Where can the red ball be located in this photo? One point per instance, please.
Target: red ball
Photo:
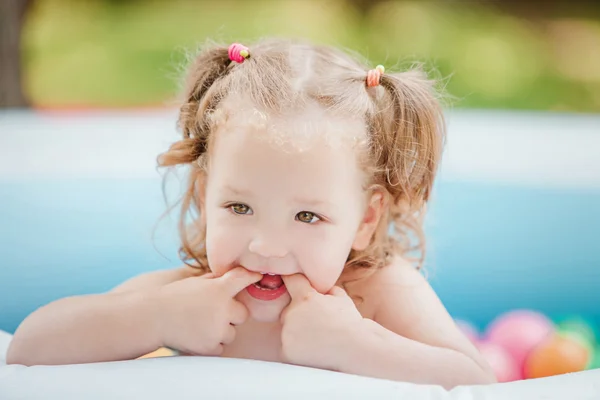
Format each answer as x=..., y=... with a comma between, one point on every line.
x=504, y=367
x=519, y=332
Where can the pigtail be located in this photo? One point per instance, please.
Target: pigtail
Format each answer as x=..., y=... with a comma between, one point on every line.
x=412, y=134
x=417, y=129
x=201, y=97
x=209, y=66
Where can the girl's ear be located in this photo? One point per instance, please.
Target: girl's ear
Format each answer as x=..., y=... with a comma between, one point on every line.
x=370, y=221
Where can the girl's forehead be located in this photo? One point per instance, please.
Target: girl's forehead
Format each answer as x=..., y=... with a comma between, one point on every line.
x=242, y=159
x=294, y=129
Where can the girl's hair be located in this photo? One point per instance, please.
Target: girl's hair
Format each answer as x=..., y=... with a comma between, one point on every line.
x=403, y=117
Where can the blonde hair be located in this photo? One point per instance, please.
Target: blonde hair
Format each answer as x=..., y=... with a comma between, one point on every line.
x=402, y=115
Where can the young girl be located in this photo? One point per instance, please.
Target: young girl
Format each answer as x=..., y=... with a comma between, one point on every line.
x=300, y=161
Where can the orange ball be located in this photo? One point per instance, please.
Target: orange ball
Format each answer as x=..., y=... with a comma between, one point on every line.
x=161, y=352
x=557, y=355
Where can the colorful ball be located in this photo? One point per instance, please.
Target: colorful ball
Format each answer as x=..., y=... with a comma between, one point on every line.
x=578, y=329
x=595, y=360
x=505, y=368
x=557, y=355
x=519, y=332
x=161, y=352
x=469, y=330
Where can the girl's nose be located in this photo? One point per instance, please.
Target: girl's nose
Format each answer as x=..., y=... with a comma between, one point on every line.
x=268, y=247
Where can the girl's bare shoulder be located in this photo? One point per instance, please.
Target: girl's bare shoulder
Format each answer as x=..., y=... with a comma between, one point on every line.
x=369, y=288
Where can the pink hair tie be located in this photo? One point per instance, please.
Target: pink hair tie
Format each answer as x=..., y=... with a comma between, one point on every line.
x=238, y=53
x=374, y=75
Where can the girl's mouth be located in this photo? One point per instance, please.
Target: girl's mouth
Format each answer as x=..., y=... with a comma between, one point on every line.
x=270, y=287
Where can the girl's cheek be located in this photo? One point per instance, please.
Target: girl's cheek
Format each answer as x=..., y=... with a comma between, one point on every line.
x=223, y=247
x=322, y=264
x=322, y=268
x=324, y=279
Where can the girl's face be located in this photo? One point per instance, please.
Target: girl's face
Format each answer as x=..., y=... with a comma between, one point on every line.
x=279, y=209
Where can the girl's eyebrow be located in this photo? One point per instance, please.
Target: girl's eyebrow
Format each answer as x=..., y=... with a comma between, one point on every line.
x=239, y=192
x=313, y=202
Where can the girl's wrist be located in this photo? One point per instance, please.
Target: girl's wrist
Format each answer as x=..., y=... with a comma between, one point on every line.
x=148, y=309
x=354, y=347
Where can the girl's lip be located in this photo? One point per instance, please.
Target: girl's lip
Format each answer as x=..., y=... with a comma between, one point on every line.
x=265, y=294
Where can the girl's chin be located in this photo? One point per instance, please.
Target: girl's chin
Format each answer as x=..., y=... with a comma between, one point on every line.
x=265, y=317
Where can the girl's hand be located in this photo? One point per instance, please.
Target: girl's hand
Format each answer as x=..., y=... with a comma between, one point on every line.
x=198, y=315
x=318, y=330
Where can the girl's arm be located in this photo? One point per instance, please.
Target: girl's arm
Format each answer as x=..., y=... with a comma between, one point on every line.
x=412, y=337
x=114, y=326
x=381, y=353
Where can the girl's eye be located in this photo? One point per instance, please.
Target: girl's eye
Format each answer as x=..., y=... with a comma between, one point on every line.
x=307, y=217
x=241, y=209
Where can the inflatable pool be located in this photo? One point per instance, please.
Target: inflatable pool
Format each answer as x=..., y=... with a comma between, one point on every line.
x=514, y=224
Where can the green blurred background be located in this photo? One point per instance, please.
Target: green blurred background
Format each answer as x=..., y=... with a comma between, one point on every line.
x=491, y=54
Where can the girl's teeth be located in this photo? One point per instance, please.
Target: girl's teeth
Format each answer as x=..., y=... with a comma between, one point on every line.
x=256, y=285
